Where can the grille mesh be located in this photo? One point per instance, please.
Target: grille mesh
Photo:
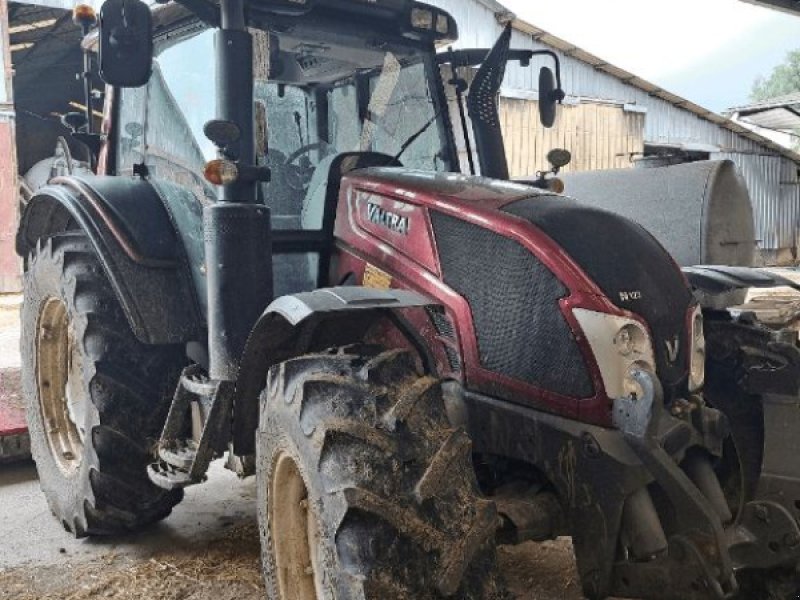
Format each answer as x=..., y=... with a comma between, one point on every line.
x=514, y=301
x=620, y=256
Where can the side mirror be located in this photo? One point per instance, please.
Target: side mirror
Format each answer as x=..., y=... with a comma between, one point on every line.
x=548, y=97
x=126, y=43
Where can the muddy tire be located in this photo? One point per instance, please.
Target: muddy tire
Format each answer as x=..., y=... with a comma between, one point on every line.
x=365, y=490
x=96, y=397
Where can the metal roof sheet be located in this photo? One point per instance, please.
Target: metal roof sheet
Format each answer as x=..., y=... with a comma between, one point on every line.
x=780, y=113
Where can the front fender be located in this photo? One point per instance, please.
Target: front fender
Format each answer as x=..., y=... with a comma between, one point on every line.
x=301, y=323
x=136, y=242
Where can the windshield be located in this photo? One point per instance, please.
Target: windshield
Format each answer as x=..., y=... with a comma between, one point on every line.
x=390, y=109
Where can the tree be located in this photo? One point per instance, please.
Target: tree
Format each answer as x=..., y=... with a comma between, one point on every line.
x=784, y=79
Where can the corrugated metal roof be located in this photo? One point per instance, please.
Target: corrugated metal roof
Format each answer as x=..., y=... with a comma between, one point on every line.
x=779, y=113
x=674, y=122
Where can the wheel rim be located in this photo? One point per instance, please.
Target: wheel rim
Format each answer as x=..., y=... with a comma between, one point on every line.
x=294, y=532
x=62, y=401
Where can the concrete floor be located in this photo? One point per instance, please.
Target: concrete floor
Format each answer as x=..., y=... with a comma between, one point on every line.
x=30, y=534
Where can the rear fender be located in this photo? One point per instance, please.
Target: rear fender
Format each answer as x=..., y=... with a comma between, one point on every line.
x=136, y=242
x=301, y=323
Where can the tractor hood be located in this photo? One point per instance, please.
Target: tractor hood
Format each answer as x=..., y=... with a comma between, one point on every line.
x=485, y=228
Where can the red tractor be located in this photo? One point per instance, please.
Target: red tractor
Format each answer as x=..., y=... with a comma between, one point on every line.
x=277, y=259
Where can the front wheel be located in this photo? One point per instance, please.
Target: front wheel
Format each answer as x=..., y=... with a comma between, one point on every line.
x=365, y=491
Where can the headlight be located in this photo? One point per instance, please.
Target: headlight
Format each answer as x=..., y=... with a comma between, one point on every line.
x=619, y=345
x=697, y=352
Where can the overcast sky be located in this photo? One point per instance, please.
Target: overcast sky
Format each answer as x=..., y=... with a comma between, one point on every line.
x=708, y=51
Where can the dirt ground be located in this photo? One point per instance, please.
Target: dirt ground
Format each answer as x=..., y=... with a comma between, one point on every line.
x=207, y=550
x=227, y=568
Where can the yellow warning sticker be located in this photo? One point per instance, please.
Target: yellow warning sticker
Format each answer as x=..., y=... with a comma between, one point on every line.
x=376, y=278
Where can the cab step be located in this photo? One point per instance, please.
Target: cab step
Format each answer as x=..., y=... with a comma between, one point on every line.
x=198, y=410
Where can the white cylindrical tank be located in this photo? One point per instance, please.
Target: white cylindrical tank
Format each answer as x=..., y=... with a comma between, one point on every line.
x=700, y=212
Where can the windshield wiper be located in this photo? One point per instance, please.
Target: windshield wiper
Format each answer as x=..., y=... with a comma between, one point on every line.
x=416, y=136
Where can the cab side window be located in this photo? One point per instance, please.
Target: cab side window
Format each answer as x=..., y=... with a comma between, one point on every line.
x=161, y=124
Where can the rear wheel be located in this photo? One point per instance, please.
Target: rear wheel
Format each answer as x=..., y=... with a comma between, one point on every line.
x=365, y=491
x=96, y=397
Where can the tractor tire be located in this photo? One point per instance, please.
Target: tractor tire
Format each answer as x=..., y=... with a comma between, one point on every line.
x=96, y=397
x=364, y=489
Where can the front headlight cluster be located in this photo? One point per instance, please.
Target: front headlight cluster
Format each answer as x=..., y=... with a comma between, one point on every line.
x=620, y=346
x=697, y=352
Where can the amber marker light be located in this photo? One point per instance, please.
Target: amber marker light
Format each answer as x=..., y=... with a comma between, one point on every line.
x=221, y=172
x=84, y=15
x=556, y=185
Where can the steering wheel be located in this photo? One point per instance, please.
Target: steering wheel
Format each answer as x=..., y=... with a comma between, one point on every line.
x=298, y=175
x=321, y=145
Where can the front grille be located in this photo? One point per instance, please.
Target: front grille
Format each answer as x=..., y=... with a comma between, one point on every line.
x=521, y=331
x=621, y=257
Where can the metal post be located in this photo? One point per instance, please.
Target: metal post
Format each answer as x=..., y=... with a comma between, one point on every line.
x=237, y=229
x=235, y=91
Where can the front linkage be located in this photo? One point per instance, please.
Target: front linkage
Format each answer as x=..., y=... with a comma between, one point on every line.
x=614, y=486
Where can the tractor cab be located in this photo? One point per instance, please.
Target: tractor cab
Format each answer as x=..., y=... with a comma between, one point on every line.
x=330, y=81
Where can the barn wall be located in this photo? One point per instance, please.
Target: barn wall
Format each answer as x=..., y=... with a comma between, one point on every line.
x=775, y=192
x=600, y=136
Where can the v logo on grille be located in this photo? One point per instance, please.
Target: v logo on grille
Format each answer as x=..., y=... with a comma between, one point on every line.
x=672, y=349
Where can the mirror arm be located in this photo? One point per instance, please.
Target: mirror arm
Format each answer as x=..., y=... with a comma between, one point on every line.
x=472, y=57
x=557, y=62
x=207, y=12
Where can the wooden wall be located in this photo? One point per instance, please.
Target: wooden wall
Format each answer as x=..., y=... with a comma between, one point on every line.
x=600, y=136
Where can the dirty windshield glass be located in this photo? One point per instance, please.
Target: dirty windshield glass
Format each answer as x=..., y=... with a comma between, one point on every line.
x=390, y=110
